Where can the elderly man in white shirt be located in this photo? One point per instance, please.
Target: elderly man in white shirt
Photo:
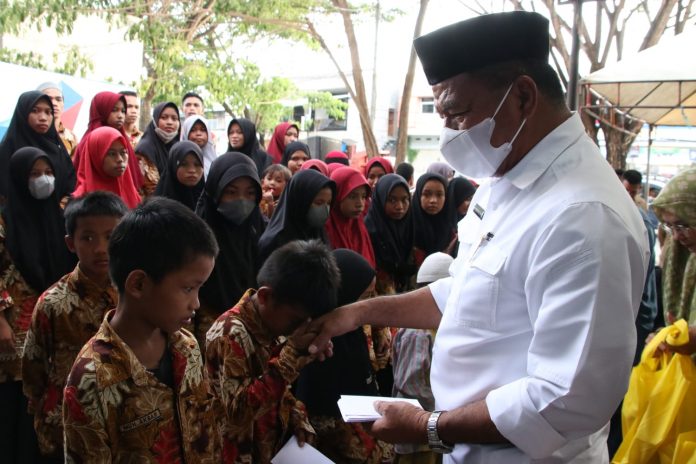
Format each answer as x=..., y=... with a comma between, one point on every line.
x=536, y=328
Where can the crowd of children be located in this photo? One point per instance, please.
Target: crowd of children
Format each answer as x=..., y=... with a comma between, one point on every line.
x=155, y=297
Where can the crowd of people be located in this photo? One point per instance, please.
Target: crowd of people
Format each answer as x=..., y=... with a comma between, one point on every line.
x=162, y=303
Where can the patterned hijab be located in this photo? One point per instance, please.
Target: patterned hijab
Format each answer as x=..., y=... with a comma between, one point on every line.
x=679, y=277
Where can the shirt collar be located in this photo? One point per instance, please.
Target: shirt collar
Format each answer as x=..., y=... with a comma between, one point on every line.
x=91, y=287
x=544, y=153
x=251, y=318
x=124, y=363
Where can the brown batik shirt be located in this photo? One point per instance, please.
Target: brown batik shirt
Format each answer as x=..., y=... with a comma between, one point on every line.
x=150, y=173
x=115, y=410
x=67, y=315
x=17, y=300
x=251, y=372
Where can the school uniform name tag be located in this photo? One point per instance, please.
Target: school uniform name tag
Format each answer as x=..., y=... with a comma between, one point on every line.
x=479, y=211
x=140, y=421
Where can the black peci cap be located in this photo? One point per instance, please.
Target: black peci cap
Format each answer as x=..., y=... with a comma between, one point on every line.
x=482, y=41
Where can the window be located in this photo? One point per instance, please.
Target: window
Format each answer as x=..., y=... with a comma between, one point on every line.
x=427, y=105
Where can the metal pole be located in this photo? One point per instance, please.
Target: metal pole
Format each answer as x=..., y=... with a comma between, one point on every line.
x=646, y=189
x=573, y=77
x=373, y=102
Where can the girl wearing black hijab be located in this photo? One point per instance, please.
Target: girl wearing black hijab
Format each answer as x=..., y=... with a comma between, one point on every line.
x=183, y=179
x=153, y=149
x=431, y=217
x=347, y=372
x=391, y=231
x=459, y=193
x=301, y=213
x=295, y=155
x=230, y=206
x=241, y=134
x=33, y=256
x=32, y=126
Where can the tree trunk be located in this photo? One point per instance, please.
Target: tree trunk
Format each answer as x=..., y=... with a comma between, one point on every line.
x=359, y=83
x=618, y=138
x=402, y=137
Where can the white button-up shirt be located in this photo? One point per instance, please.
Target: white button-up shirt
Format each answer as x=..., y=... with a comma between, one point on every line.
x=538, y=314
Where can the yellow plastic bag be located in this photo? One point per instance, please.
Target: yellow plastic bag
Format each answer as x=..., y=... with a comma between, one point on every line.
x=659, y=410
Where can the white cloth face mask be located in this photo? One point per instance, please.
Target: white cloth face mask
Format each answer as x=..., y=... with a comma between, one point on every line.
x=470, y=152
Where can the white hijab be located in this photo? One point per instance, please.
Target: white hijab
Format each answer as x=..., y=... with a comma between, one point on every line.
x=209, y=153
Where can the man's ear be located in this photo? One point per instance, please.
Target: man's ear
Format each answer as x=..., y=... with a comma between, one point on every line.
x=137, y=283
x=528, y=95
x=70, y=243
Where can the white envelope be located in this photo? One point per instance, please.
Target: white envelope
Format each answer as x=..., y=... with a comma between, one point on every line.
x=291, y=453
x=361, y=408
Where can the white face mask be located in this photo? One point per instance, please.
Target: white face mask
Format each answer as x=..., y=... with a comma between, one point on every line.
x=470, y=152
x=42, y=187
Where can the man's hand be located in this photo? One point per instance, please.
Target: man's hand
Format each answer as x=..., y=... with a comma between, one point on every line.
x=7, y=338
x=333, y=324
x=401, y=422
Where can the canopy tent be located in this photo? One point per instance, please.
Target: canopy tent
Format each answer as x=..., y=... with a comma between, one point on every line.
x=656, y=86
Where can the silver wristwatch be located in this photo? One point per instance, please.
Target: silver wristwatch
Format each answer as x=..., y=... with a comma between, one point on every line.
x=434, y=441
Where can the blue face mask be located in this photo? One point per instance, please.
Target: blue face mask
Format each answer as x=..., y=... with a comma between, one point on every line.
x=236, y=211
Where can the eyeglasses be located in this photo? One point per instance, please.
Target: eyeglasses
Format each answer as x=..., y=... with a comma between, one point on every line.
x=677, y=228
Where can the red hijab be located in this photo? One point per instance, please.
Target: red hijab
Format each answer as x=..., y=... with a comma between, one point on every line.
x=96, y=145
x=383, y=162
x=317, y=165
x=99, y=110
x=276, y=146
x=337, y=157
x=346, y=232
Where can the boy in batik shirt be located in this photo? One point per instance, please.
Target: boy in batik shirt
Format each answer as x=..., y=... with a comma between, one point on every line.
x=252, y=364
x=137, y=391
x=69, y=313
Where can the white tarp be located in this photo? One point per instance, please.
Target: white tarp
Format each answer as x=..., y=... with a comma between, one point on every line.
x=78, y=93
x=657, y=85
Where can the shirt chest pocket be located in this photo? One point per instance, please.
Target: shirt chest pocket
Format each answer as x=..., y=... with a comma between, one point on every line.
x=477, y=300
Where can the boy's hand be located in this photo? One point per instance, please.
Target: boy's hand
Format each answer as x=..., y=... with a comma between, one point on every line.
x=335, y=323
x=268, y=195
x=7, y=338
x=302, y=337
x=304, y=436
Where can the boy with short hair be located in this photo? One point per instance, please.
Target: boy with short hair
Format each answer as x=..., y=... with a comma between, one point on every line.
x=252, y=364
x=137, y=391
x=68, y=313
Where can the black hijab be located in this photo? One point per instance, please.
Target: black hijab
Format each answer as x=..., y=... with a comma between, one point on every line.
x=251, y=147
x=291, y=148
x=392, y=240
x=19, y=134
x=289, y=218
x=237, y=263
x=458, y=190
x=348, y=371
x=34, y=229
x=169, y=185
x=151, y=146
x=433, y=233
